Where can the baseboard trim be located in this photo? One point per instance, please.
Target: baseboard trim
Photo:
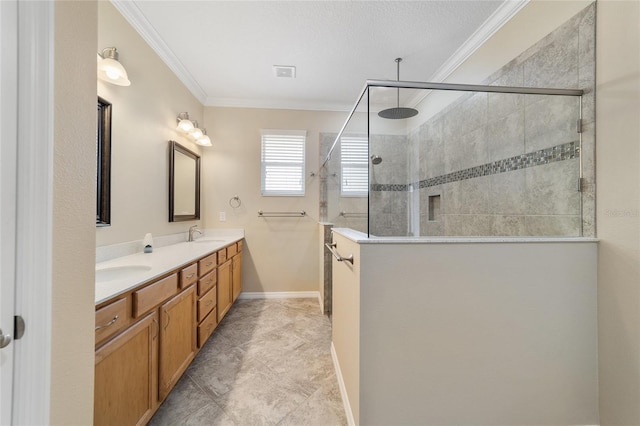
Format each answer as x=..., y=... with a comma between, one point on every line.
x=280, y=295
x=343, y=389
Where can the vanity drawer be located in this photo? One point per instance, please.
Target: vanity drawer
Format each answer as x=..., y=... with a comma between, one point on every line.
x=232, y=250
x=222, y=256
x=207, y=326
x=111, y=319
x=189, y=275
x=206, y=303
x=154, y=294
x=239, y=244
x=207, y=282
x=207, y=264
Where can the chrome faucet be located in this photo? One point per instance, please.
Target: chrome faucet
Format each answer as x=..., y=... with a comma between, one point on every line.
x=193, y=229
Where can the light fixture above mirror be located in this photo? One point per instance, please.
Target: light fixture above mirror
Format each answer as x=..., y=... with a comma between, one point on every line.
x=196, y=133
x=184, y=124
x=110, y=70
x=204, y=140
x=190, y=127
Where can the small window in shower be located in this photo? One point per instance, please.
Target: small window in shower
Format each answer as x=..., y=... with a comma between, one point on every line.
x=354, y=162
x=434, y=207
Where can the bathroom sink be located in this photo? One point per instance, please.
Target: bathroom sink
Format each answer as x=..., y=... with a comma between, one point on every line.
x=120, y=272
x=207, y=240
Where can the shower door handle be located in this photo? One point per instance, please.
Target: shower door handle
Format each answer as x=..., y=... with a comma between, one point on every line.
x=334, y=252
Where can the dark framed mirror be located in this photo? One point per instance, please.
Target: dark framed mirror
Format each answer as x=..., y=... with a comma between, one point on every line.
x=103, y=169
x=184, y=183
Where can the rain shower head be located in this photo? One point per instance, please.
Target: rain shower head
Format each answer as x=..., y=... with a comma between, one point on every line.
x=398, y=112
x=376, y=159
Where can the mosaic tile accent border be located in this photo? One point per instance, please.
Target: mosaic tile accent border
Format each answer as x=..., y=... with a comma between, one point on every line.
x=389, y=187
x=554, y=154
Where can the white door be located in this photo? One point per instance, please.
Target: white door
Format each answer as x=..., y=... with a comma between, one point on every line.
x=8, y=146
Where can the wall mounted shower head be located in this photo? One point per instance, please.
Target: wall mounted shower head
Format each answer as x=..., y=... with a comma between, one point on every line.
x=376, y=159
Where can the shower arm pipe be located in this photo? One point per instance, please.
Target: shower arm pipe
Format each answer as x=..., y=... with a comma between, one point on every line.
x=448, y=86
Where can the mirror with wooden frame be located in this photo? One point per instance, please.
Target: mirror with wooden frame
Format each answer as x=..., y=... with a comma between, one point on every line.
x=103, y=170
x=184, y=183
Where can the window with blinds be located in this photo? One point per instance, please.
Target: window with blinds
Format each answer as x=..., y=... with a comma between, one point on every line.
x=354, y=162
x=283, y=162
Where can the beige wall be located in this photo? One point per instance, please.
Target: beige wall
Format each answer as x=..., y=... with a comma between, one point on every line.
x=144, y=120
x=72, y=356
x=618, y=209
x=281, y=253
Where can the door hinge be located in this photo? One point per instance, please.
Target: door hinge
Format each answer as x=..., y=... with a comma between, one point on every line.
x=579, y=125
x=18, y=327
x=580, y=184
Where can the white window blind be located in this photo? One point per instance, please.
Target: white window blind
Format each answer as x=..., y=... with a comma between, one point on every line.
x=283, y=162
x=354, y=162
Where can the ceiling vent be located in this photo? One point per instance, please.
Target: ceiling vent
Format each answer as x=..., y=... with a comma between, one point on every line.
x=284, y=71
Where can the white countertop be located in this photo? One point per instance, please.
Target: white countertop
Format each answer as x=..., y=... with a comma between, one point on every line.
x=161, y=261
x=362, y=238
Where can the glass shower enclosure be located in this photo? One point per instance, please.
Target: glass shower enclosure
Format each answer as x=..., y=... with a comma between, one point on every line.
x=475, y=161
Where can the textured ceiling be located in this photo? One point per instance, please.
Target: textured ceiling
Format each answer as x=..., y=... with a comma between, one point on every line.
x=224, y=50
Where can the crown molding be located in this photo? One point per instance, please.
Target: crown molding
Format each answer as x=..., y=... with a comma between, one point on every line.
x=141, y=24
x=501, y=16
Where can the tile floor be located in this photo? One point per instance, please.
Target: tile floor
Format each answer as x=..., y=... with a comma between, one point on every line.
x=267, y=363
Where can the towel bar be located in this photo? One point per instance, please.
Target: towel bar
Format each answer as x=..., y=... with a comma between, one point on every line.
x=282, y=214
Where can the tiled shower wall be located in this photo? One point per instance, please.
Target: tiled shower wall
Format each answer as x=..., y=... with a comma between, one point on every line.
x=388, y=214
x=508, y=165
x=389, y=210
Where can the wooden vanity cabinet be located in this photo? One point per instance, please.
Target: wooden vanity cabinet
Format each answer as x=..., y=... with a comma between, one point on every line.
x=177, y=338
x=189, y=275
x=126, y=376
x=232, y=250
x=207, y=264
x=151, y=296
x=236, y=275
x=229, y=278
x=207, y=319
x=147, y=337
x=225, y=297
x=111, y=319
x=222, y=256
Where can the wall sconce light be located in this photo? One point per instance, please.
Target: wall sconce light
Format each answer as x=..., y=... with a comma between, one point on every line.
x=191, y=128
x=204, y=140
x=196, y=133
x=110, y=70
x=184, y=124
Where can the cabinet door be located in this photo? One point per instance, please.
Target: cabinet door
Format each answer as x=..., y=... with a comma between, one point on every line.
x=177, y=338
x=126, y=376
x=237, y=275
x=224, y=289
